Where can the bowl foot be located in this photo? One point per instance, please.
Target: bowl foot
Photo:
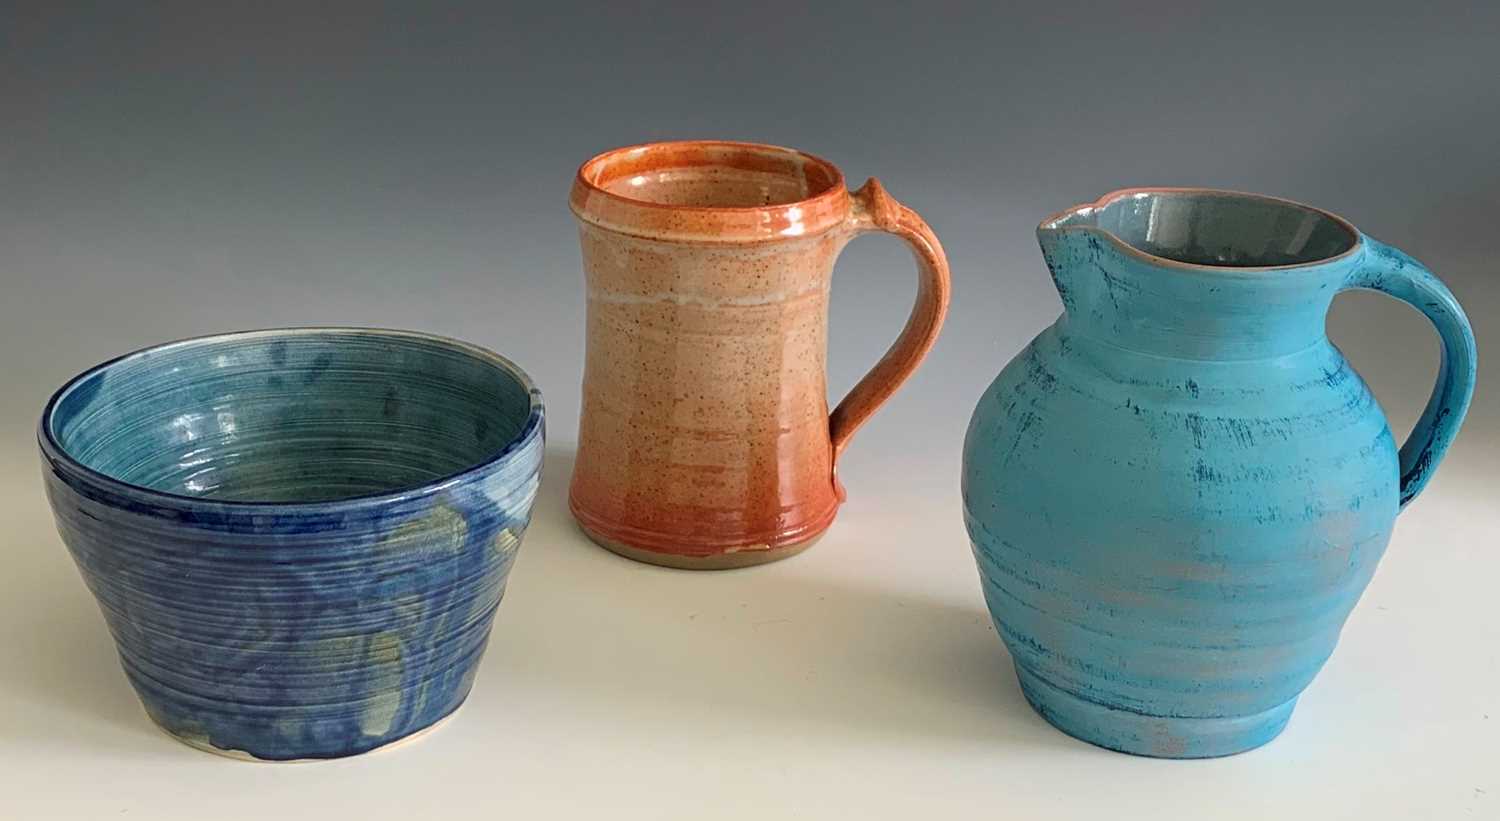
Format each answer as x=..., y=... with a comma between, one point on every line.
x=202, y=743
x=1155, y=736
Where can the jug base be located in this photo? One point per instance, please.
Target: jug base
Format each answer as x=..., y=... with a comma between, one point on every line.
x=1146, y=735
x=728, y=560
x=202, y=744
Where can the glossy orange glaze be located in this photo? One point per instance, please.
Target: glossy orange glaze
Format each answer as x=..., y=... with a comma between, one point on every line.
x=705, y=438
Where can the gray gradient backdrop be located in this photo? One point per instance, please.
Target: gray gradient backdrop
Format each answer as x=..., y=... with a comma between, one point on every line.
x=174, y=169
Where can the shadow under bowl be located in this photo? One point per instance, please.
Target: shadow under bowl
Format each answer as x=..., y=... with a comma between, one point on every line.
x=298, y=537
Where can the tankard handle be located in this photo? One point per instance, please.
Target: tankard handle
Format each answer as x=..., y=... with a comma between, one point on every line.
x=1391, y=272
x=875, y=210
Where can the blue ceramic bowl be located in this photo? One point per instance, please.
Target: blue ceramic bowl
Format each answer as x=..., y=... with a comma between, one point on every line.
x=297, y=537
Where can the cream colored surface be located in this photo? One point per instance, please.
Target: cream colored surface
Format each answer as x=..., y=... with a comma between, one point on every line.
x=861, y=679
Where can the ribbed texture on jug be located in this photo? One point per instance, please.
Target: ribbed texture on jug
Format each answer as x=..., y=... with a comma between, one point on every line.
x=1174, y=540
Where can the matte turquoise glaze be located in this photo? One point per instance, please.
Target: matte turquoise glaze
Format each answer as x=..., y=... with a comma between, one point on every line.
x=1177, y=493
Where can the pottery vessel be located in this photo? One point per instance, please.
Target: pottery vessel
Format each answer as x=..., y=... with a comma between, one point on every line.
x=1177, y=493
x=298, y=538
x=705, y=439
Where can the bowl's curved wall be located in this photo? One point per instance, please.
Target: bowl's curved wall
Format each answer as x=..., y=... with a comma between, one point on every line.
x=312, y=629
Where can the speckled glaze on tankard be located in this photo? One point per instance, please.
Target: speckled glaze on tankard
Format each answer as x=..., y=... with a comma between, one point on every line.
x=705, y=439
x=299, y=537
x=1177, y=493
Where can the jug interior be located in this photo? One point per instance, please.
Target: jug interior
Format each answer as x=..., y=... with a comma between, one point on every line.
x=712, y=176
x=1223, y=229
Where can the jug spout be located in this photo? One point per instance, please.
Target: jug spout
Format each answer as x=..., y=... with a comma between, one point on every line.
x=1197, y=273
x=1064, y=237
x=1075, y=217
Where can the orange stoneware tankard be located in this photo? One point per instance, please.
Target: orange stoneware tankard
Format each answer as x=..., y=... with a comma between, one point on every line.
x=705, y=439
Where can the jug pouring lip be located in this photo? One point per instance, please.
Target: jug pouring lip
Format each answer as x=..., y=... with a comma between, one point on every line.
x=1083, y=217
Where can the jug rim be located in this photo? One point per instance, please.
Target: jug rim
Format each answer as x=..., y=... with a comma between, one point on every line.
x=1054, y=222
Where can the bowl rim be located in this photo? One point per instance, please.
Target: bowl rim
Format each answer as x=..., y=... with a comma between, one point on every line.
x=62, y=461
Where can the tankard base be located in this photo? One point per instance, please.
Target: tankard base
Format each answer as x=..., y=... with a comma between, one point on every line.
x=1146, y=735
x=727, y=560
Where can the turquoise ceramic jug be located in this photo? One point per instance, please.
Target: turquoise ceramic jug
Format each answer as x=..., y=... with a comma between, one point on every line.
x=1177, y=493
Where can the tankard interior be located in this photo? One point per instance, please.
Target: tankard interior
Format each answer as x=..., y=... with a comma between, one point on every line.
x=711, y=175
x=302, y=415
x=1224, y=229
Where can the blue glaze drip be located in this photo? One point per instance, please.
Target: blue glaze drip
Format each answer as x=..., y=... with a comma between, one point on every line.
x=298, y=538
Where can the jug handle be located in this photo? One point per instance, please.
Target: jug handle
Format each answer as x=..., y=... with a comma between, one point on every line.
x=875, y=210
x=1391, y=272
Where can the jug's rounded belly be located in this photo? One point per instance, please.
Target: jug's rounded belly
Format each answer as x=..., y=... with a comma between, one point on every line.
x=1174, y=537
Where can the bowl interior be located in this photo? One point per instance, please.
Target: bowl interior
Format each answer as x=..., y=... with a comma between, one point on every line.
x=292, y=416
